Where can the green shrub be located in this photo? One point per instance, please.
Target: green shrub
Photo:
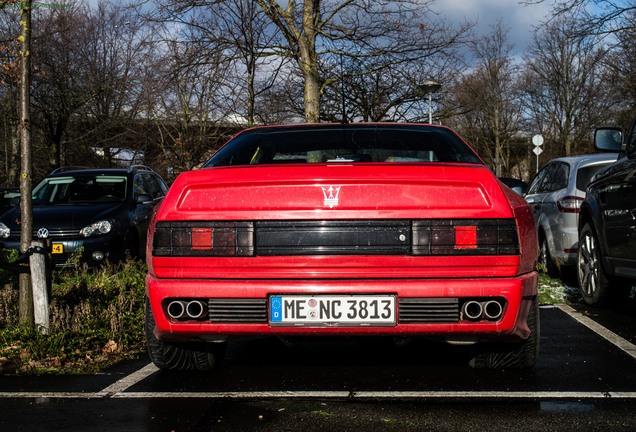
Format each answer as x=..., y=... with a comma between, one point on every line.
x=96, y=318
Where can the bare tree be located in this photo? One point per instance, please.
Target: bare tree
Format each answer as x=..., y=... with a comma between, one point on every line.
x=61, y=87
x=26, y=169
x=115, y=52
x=246, y=29
x=489, y=98
x=9, y=95
x=238, y=29
x=598, y=17
x=192, y=97
x=620, y=82
x=400, y=31
x=562, y=85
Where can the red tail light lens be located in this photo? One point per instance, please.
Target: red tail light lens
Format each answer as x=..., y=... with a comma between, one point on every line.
x=466, y=237
x=570, y=204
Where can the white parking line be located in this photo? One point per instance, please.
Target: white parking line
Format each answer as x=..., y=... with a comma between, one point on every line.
x=118, y=389
x=129, y=380
x=397, y=395
x=336, y=395
x=625, y=345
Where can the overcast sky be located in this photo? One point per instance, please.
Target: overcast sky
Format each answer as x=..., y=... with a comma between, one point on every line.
x=519, y=18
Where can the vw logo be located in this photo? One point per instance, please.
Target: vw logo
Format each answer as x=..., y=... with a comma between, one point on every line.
x=43, y=233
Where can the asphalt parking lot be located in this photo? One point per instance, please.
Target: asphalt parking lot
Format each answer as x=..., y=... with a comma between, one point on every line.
x=584, y=374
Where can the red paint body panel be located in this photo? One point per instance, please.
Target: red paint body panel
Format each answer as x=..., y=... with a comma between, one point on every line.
x=367, y=191
x=326, y=267
x=342, y=191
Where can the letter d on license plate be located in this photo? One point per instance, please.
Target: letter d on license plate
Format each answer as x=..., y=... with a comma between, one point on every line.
x=354, y=310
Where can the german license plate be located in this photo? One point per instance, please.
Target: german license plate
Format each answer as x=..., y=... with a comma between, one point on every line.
x=57, y=248
x=353, y=310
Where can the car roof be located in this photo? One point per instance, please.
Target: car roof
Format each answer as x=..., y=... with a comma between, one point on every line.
x=65, y=171
x=587, y=159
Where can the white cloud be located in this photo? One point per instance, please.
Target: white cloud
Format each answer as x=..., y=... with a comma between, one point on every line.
x=522, y=20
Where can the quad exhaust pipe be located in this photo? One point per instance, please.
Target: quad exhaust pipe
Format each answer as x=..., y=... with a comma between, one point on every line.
x=493, y=310
x=182, y=309
x=490, y=310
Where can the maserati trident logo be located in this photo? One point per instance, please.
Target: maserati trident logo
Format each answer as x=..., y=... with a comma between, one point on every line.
x=43, y=233
x=331, y=196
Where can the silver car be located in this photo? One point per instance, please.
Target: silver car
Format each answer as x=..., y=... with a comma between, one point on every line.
x=555, y=196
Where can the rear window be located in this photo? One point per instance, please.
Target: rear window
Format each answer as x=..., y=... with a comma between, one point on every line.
x=584, y=175
x=345, y=143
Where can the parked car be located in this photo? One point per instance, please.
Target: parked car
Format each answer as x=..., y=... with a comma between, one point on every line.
x=555, y=196
x=6, y=195
x=607, y=223
x=384, y=229
x=516, y=185
x=104, y=211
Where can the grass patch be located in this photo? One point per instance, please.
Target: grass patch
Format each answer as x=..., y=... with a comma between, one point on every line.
x=557, y=290
x=96, y=320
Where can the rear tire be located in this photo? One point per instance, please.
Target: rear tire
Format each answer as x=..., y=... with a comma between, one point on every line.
x=594, y=282
x=181, y=356
x=508, y=355
x=545, y=258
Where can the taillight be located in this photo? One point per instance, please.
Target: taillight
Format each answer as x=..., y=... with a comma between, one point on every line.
x=465, y=237
x=390, y=237
x=203, y=239
x=569, y=204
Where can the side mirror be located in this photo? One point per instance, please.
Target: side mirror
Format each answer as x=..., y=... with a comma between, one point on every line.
x=608, y=139
x=15, y=201
x=143, y=199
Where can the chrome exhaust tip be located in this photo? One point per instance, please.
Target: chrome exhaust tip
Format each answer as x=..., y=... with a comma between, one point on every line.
x=176, y=309
x=472, y=310
x=493, y=310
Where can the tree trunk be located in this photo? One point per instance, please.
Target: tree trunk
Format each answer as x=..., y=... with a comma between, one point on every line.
x=309, y=61
x=26, y=225
x=14, y=158
x=312, y=97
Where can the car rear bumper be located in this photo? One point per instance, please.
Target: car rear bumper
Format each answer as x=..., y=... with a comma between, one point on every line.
x=515, y=293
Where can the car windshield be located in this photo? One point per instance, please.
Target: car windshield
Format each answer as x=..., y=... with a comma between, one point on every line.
x=344, y=143
x=80, y=188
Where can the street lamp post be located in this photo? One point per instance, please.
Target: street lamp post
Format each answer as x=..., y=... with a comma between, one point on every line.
x=430, y=87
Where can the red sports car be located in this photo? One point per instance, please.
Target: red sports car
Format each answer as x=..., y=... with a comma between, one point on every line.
x=384, y=229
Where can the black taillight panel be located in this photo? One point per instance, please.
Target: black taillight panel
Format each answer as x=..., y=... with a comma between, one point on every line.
x=465, y=237
x=223, y=238
x=433, y=237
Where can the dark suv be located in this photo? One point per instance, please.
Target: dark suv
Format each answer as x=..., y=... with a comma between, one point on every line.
x=607, y=223
x=103, y=211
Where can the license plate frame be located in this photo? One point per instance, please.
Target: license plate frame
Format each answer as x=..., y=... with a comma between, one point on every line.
x=371, y=310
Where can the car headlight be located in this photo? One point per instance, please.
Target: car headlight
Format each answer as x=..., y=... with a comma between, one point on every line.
x=98, y=228
x=5, y=231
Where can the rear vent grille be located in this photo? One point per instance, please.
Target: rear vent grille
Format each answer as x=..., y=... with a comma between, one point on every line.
x=412, y=310
x=428, y=310
x=237, y=310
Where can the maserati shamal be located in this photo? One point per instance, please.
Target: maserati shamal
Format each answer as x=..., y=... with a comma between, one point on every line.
x=387, y=229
